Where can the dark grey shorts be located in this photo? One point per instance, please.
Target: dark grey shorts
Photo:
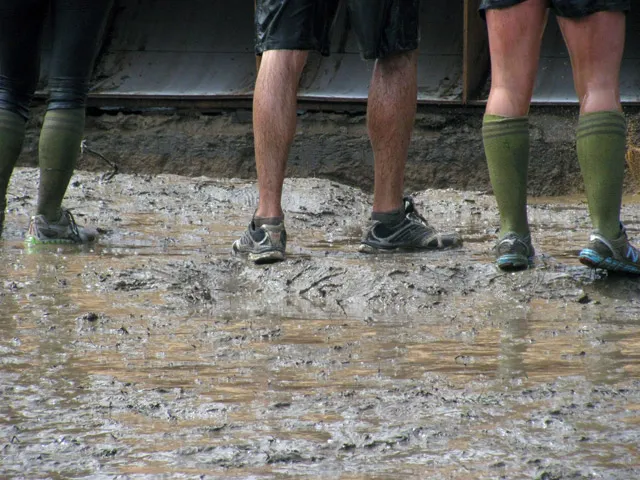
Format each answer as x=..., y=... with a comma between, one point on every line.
x=383, y=27
x=567, y=8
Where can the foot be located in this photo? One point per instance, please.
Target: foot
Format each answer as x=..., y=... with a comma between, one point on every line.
x=613, y=255
x=413, y=233
x=63, y=231
x=265, y=244
x=514, y=252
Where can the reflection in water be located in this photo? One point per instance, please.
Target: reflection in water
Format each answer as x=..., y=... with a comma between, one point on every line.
x=152, y=386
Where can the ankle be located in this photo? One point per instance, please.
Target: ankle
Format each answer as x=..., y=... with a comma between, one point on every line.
x=521, y=231
x=611, y=232
x=389, y=218
x=51, y=215
x=259, y=221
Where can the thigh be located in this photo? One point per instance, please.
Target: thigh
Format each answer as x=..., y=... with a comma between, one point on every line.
x=294, y=25
x=596, y=45
x=497, y=4
x=78, y=31
x=385, y=27
x=584, y=8
x=515, y=35
x=21, y=25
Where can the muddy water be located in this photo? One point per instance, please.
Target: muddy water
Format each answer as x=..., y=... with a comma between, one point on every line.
x=156, y=354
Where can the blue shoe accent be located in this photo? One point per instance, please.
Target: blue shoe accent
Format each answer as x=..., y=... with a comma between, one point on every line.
x=513, y=261
x=593, y=259
x=514, y=252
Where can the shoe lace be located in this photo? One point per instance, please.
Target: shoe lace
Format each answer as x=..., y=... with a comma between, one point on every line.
x=410, y=210
x=73, y=226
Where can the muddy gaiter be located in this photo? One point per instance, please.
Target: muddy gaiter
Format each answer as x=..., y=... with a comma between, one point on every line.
x=601, y=140
x=58, y=153
x=506, y=146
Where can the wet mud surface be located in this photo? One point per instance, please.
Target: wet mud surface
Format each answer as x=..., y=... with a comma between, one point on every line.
x=157, y=354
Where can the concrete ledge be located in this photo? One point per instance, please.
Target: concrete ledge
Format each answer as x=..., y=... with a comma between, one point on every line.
x=446, y=150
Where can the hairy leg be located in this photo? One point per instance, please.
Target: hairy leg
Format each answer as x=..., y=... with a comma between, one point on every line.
x=596, y=44
x=274, y=123
x=390, y=117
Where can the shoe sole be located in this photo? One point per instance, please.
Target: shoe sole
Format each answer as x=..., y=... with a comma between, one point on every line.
x=57, y=241
x=365, y=248
x=512, y=262
x=272, y=256
x=593, y=259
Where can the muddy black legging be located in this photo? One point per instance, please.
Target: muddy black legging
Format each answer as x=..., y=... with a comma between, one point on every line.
x=78, y=26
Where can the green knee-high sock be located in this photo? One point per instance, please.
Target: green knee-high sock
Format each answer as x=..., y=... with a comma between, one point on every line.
x=506, y=146
x=58, y=153
x=601, y=141
x=12, y=127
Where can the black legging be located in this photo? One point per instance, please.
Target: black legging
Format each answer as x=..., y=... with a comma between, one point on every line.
x=78, y=26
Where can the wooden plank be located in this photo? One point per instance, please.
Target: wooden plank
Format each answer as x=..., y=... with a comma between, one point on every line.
x=475, y=56
x=258, y=57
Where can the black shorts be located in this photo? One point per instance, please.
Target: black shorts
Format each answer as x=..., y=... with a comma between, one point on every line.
x=383, y=27
x=567, y=8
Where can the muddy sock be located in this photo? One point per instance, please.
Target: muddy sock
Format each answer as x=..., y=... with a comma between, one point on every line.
x=506, y=146
x=389, y=219
x=601, y=140
x=59, y=149
x=12, y=127
x=260, y=221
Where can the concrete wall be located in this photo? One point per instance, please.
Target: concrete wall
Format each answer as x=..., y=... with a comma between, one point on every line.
x=446, y=150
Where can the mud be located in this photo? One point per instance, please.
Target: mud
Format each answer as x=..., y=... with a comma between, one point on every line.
x=157, y=354
x=446, y=151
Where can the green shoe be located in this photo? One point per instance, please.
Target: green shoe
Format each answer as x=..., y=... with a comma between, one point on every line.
x=64, y=231
x=514, y=252
x=613, y=255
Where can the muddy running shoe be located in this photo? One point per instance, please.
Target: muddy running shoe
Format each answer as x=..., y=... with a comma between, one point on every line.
x=514, y=252
x=413, y=233
x=614, y=255
x=64, y=231
x=265, y=244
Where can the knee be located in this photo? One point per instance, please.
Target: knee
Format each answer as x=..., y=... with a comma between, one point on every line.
x=67, y=93
x=15, y=96
x=286, y=63
x=398, y=63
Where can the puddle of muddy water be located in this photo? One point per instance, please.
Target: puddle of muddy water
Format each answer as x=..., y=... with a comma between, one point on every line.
x=154, y=354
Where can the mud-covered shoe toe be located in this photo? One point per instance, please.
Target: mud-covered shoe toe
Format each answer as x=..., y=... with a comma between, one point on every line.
x=617, y=255
x=264, y=244
x=63, y=231
x=514, y=252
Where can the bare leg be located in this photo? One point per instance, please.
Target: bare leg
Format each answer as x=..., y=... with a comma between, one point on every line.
x=596, y=44
x=274, y=123
x=514, y=39
x=390, y=117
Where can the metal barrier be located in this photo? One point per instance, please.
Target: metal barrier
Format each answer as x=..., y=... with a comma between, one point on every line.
x=200, y=52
